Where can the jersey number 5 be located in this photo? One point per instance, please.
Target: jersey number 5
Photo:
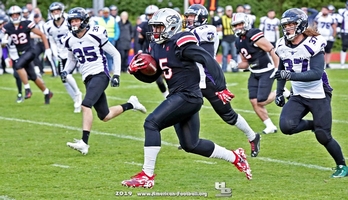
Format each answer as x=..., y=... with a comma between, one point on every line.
x=167, y=71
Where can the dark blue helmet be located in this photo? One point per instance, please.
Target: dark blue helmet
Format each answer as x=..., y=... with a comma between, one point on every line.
x=200, y=12
x=78, y=13
x=297, y=16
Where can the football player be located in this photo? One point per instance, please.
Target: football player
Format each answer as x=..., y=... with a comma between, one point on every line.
x=56, y=29
x=144, y=41
x=301, y=53
x=86, y=45
x=269, y=25
x=197, y=22
x=254, y=51
x=176, y=53
x=19, y=31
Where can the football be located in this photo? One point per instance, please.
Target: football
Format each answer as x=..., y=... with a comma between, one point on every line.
x=151, y=68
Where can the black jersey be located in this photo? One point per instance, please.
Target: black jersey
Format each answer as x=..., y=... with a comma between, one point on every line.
x=176, y=59
x=20, y=35
x=257, y=57
x=180, y=75
x=143, y=28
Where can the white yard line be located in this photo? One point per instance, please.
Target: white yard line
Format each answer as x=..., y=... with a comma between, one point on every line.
x=5, y=197
x=163, y=142
x=133, y=163
x=205, y=162
x=61, y=166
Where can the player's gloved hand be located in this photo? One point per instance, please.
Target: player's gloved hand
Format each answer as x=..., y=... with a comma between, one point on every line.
x=115, y=81
x=4, y=42
x=279, y=100
x=63, y=76
x=225, y=96
x=48, y=54
x=282, y=74
x=136, y=64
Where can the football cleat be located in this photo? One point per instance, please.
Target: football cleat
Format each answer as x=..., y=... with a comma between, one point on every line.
x=255, y=145
x=19, y=98
x=140, y=180
x=270, y=129
x=241, y=163
x=28, y=93
x=341, y=171
x=48, y=97
x=136, y=104
x=79, y=145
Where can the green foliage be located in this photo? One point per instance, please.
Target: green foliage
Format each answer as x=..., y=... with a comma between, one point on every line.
x=34, y=152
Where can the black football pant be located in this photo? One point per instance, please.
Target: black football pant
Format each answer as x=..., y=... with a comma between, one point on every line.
x=291, y=121
x=182, y=111
x=95, y=95
x=225, y=111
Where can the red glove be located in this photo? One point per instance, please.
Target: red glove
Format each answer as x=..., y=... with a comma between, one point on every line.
x=136, y=64
x=225, y=95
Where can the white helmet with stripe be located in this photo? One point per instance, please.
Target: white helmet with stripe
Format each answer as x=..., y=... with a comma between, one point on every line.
x=15, y=10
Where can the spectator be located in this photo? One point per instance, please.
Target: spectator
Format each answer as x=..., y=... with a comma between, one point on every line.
x=228, y=38
x=113, y=12
x=124, y=43
x=311, y=13
x=113, y=31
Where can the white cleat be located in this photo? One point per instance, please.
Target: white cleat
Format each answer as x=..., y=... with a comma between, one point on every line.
x=286, y=93
x=77, y=109
x=79, y=145
x=136, y=104
x=270, y=129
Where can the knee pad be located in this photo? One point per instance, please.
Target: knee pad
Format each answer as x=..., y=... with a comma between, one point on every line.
x=188, y=147
x=322, y=136
x=230, y=117
x=287, y=126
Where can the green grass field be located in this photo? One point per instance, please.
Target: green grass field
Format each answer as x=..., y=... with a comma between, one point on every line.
x=36, y=163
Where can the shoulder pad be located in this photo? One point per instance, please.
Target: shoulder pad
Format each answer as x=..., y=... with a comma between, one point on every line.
x=314, y=44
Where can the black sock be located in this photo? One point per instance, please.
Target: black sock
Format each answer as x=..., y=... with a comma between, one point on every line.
x=335, y=151
x=127, y=106
x=85, y=136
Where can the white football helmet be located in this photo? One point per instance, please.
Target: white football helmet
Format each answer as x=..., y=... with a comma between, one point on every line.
x=239, y=18
x=170, y=19
x=56, y=6
x=15, y=10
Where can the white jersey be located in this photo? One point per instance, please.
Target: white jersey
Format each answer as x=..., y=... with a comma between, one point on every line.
x=297, y=60
x=324, y=26
x=54, y=35
x=270, y=28
x=206, y=34
x=344, y=13
x=88, y=50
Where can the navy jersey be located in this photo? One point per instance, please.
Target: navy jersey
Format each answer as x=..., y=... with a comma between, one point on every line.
x=20, y=36
x=181, y=75
x=257, y=57
x=143, y=28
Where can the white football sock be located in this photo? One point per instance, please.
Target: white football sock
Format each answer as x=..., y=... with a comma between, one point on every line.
x=343, y=57
x=70, y=90
x=268, y=122
x=26, y=86
x=150, y=155
x=46, y=91
x=243, y=125
x=72, y=82
x=223, y=153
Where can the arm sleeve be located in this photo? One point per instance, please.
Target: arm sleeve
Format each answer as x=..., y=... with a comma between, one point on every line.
x=147, y=79
x=113, y=52
x=196, y=53
x=316, y=69
x=281, y=82
x=70, y=63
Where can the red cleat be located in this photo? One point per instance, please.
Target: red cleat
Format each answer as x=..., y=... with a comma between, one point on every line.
x=140, y=180
x=241, y=163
